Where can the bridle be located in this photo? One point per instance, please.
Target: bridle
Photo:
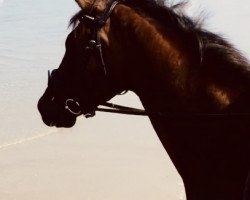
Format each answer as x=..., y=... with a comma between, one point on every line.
x=95, y=45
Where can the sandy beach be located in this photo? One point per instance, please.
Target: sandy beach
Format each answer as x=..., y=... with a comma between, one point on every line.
x=75, y=164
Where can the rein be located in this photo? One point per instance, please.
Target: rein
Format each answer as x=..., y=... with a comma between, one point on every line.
x=75, y=109
x=119, y=109
x=115, y=108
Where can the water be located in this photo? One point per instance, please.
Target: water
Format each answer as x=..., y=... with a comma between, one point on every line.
x=32, y=38
x=32, y=35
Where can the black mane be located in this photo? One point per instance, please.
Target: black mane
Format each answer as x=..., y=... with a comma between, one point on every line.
x=216, y=55
x=150, y=7
x=172, y=14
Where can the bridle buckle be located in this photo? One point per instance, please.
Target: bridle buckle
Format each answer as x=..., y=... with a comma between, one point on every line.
x=73, y=107
x=91, y=45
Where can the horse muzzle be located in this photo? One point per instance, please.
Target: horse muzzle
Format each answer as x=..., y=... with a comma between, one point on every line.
x=53, y=115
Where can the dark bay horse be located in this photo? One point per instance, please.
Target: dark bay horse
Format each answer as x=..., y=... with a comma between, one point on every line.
x=194, y=85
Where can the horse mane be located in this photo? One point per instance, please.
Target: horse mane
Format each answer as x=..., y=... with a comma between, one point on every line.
x=216, y=56
x=173, y=14
x=150, y=7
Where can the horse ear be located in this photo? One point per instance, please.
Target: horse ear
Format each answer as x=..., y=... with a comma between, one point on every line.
x=84, y=4
x=100, y=5
x=80, y=3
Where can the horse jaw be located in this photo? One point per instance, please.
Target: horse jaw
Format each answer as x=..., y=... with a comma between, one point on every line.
x=100, y=5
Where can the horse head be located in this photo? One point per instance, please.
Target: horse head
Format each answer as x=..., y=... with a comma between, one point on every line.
x=84, y=78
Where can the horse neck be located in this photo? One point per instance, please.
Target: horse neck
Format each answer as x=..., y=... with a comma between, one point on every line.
x=159, y=69
x=150, y=59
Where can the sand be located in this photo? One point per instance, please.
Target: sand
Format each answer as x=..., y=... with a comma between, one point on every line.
x=77, y=164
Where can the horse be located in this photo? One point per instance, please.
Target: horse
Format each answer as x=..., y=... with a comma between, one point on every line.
x=193, y=84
